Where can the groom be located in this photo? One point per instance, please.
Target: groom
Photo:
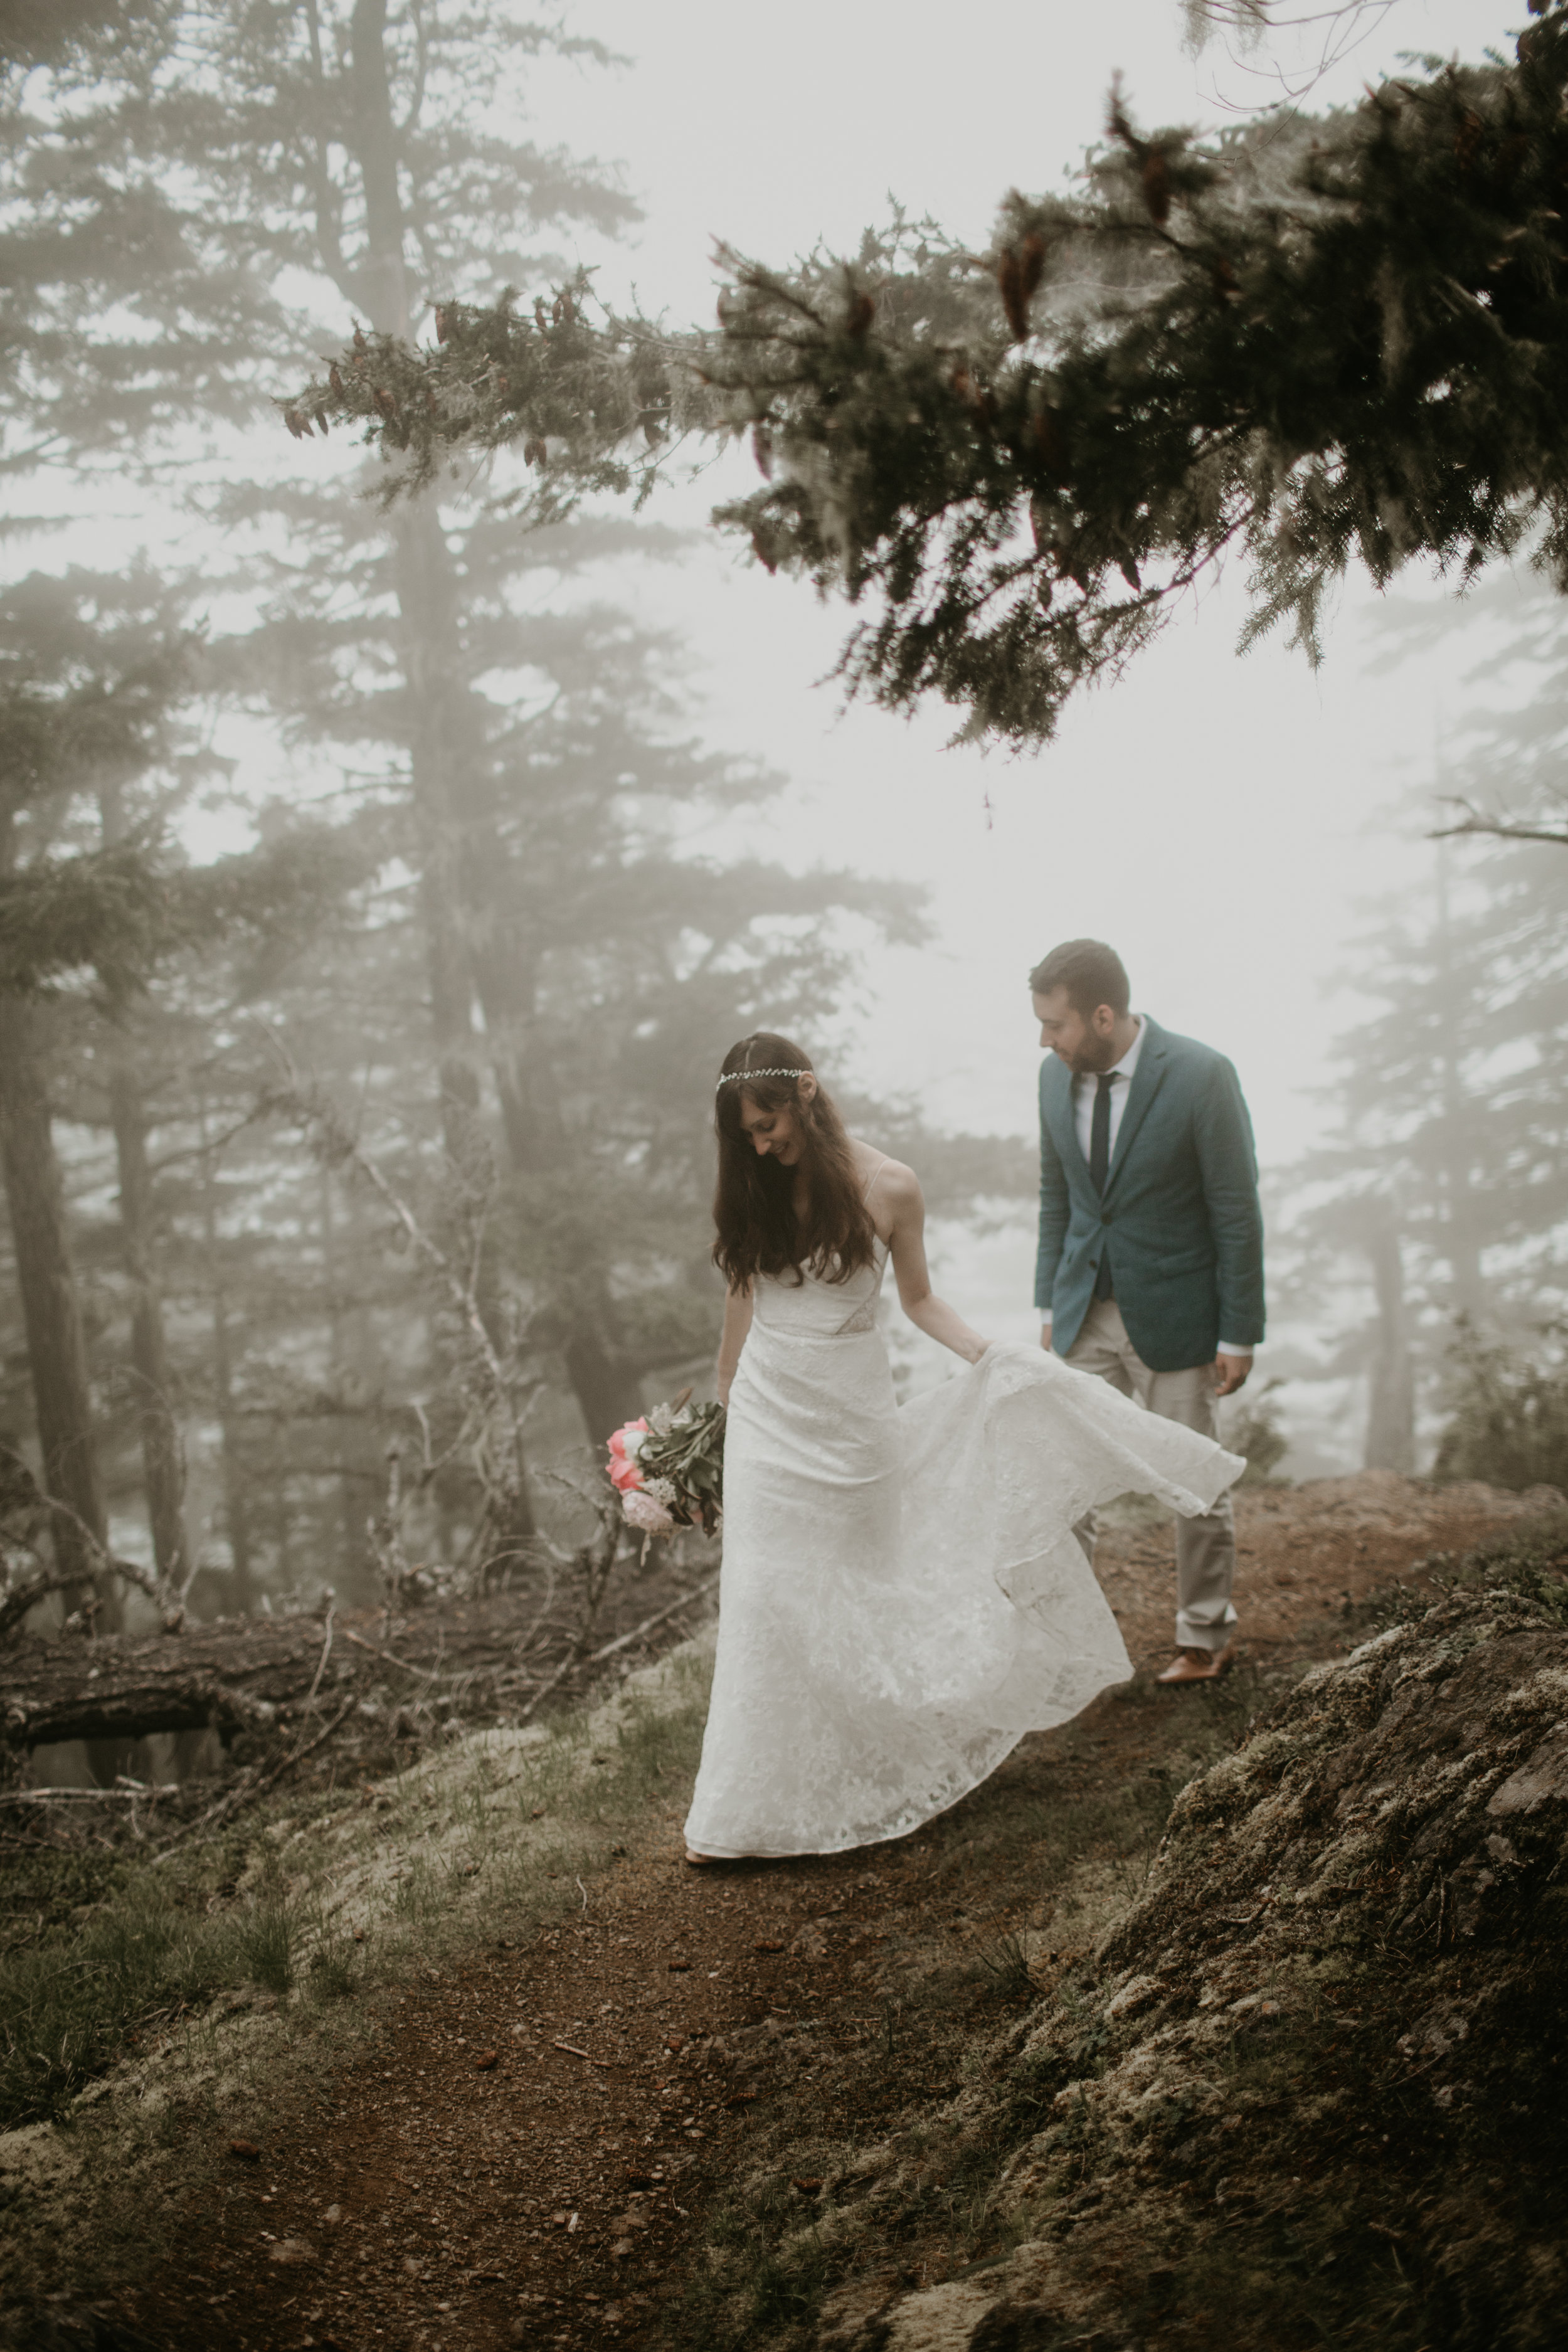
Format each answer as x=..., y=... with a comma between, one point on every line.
x=1151, y=1261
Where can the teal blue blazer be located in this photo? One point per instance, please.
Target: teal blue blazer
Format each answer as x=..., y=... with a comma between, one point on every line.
x=1181, y=1221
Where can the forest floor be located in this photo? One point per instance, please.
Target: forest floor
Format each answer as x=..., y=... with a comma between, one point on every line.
x=537, y=2133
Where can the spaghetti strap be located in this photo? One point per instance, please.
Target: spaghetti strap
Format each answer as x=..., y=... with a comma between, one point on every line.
x=871, y=1183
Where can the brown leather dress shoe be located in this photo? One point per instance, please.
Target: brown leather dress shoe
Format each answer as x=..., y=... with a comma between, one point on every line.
x=1196, y=1666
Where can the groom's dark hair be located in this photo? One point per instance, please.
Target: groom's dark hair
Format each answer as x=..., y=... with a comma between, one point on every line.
x=1092, y=974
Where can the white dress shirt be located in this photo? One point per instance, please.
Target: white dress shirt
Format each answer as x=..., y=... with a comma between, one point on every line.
x=1085, y=1086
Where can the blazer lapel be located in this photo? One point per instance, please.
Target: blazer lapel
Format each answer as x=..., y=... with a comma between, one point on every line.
x=1147, y=1079
x=1056, y=1095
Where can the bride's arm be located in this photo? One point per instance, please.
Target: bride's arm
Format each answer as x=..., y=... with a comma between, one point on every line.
x=737, y=1323
x=903, y=1201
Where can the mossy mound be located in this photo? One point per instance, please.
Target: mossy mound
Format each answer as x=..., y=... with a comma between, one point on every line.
x=1312, y=2090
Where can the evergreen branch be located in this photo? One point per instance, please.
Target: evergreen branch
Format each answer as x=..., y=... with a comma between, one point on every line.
x=591, y=399
x=122, y=911
x=1327, y=344
x=1475, y=822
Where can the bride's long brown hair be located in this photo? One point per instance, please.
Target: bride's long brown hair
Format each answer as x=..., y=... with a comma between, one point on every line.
x=758, y=1231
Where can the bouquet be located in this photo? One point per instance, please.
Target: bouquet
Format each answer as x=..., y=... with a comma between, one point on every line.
x=668, y=1469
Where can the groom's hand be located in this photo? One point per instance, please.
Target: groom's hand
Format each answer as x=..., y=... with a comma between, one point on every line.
x=1045, y=1337
x=1230, y=1374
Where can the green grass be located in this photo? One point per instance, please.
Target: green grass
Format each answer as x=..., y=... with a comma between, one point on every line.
x=67, y=2013
x=242, y=1947
x=85, y=1984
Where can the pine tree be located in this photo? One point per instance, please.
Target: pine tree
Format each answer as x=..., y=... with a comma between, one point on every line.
x=1441, y=1182
x=73, y=709
x=97, y=906
x=513, y=1008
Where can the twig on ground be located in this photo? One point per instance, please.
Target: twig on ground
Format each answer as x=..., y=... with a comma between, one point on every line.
x=572, y=2050
x=622, y=1642
x=321, y=1662
x=390, y=1657
x=524, y=1640
x=87, y=1796
x=236, y=1797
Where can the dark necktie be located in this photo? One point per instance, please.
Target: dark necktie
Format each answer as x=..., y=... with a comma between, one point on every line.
x=1099, y=1133
x=1100, y=1167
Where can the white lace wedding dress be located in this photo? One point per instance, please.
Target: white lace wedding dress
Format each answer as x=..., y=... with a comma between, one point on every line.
x=902, y=1596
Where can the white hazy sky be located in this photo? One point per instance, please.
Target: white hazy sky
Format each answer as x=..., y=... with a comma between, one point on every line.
x=1214, y=816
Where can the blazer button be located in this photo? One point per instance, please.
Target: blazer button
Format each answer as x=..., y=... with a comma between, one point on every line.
x=1105, y=1218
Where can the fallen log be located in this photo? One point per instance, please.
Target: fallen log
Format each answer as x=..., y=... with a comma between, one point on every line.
x=238, y=1674
x=261, y=1673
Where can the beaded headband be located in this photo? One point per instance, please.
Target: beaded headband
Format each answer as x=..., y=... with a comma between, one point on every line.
x=738, y=1077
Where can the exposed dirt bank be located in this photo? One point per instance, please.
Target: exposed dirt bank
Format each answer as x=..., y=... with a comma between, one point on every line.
x=1308, y=2090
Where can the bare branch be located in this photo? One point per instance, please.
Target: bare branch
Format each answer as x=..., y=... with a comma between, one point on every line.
x=1476, y=824
x=322, y=1666
x=254, y=1784
x=622, y=1642
x=26, y=1495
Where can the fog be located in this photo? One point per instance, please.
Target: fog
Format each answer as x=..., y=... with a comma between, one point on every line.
x=1213, y=816
x=1216, y=817
x=295, y=1073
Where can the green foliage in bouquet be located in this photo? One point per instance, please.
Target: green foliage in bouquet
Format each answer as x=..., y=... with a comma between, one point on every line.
x=684, y=1449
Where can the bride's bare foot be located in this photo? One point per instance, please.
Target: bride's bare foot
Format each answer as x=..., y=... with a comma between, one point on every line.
x=701, y=1860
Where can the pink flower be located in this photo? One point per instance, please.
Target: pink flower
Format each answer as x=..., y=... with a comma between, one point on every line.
x=641, y=1511
x=624, y=1447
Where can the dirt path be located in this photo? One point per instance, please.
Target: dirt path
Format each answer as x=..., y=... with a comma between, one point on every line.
x=531, y=2150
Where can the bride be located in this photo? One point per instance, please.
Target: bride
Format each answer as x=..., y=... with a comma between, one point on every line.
x=902, y=1596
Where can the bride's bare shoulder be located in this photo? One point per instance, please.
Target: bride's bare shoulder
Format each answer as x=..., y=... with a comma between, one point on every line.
x=894, y=1183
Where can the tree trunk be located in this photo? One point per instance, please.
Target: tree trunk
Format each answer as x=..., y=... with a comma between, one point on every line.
x=236, y=1524
x=1391, y=1400
x=605, y=1383
x=163, y=1457
x=244, y=1671
x=163, y=1461
x=441, y=731
x=1460, y=1222
x=356, y=1574
x=445, y=733
x=56, y=1352
x=607, y=1389
x=442, y=734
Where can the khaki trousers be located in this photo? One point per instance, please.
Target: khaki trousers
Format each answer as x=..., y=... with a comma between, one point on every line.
x=1205, y=1546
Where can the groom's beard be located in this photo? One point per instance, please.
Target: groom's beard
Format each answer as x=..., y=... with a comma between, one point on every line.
x=1089, y=1061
